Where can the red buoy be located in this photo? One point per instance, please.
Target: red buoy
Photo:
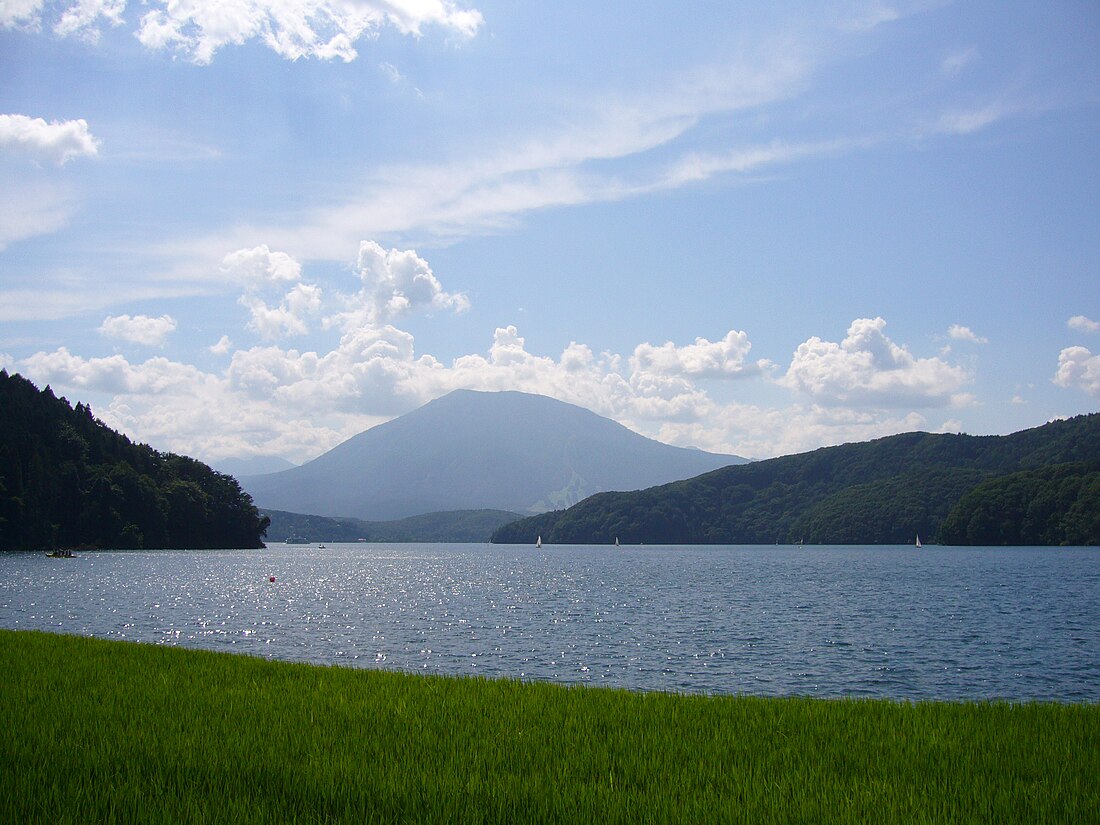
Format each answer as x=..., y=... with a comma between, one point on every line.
x=271, y=579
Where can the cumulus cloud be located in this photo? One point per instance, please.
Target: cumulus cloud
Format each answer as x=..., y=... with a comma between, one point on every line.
x=278, y=401
x=113, y=374
x=395, y=282
x=260, y=267
x=703, y=359
x=1083, y=324
x=54, y=142
x=82, y=18
x=1078, y=368
x=289, y=317
x=325, y=29
x=197, y=29
x=139, y=329
x=958, y=332
x=868, y=368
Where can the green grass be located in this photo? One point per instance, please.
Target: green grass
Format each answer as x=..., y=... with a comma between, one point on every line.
x=98, y=731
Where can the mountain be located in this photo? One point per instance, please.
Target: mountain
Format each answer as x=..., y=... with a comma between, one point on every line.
x=252, y=466
x=474, y=451
x=454, y=526
x=69, y=481
x=1038, y=486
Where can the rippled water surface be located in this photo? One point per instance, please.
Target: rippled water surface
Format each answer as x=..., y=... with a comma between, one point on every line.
x=939, y=623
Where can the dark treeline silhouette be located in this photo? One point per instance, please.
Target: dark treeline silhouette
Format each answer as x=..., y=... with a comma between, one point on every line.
x=69, y=481
x=1038, y=486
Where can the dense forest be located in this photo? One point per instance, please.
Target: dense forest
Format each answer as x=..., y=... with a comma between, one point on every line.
x=69, y=481
x=451, y=526
x=1039, y=486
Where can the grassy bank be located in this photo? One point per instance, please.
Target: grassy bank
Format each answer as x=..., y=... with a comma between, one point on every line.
x=97, y=731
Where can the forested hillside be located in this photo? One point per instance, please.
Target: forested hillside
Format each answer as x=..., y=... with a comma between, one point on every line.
x=455, y=526
x=1039, y=486
x=67, y=480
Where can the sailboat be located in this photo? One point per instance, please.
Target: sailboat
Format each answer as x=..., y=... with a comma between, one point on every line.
x=919, y=545
x=616, y=541
x=538, y=542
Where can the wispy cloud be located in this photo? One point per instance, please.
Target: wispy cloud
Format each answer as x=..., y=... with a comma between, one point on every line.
x=954, y=63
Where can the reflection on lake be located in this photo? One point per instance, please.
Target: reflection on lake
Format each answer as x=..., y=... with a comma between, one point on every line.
x=939, y=623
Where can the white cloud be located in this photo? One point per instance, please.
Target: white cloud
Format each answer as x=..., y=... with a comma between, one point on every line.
x=1078, y=368
x=395, y=282
x=391, y=72
x=955, y=62
x=196, y=29
x=868, y=368
x=1083, y=324
x=139, y=329
x=82, y=17
x=297, y=404
x=968, y=121
x=703, y=359
x=763, y=432
x=54, y=142
x=289, y=318
x=19, y=13
x=29, y=209
x=222, y=347
x=113, y=374
x=325, y=29
x=259, y=267
x=958, y=332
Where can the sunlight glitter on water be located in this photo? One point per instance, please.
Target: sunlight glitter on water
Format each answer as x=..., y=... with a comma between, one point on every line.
x=1009, y=623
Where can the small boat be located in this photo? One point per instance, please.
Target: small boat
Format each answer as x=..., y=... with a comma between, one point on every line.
x=538, y=542
x=616, y=541
x=919, y=545
x=61, y=554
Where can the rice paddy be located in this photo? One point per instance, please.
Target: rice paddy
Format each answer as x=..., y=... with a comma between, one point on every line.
x=101, y=731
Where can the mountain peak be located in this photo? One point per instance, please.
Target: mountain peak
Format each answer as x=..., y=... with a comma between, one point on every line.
x=472, y=450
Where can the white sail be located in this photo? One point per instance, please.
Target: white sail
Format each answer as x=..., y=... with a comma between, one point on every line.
x=538, y=542
x=918, y=541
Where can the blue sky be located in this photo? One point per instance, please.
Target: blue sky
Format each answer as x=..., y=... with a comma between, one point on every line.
x=257, y=227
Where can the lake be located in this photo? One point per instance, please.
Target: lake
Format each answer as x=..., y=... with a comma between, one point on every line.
x=895, y=622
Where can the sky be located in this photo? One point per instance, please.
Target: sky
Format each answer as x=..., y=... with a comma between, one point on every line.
x=255, y=228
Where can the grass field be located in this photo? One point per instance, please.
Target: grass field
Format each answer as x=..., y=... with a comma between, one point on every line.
x=98, y=731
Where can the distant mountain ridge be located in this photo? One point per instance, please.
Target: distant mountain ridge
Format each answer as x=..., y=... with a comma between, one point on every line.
x=462, y=526
x=478, y=451
x=253, y=466
x=1037, y=486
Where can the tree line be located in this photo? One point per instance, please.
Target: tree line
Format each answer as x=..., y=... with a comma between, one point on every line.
x=1038, y=486
x=67, y=480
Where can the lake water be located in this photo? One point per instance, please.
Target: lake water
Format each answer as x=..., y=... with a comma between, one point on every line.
x=895, y=622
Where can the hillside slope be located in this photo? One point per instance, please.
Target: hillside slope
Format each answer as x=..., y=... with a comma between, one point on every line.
x=67, y=480
x=879, y=492
x=475, y=451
